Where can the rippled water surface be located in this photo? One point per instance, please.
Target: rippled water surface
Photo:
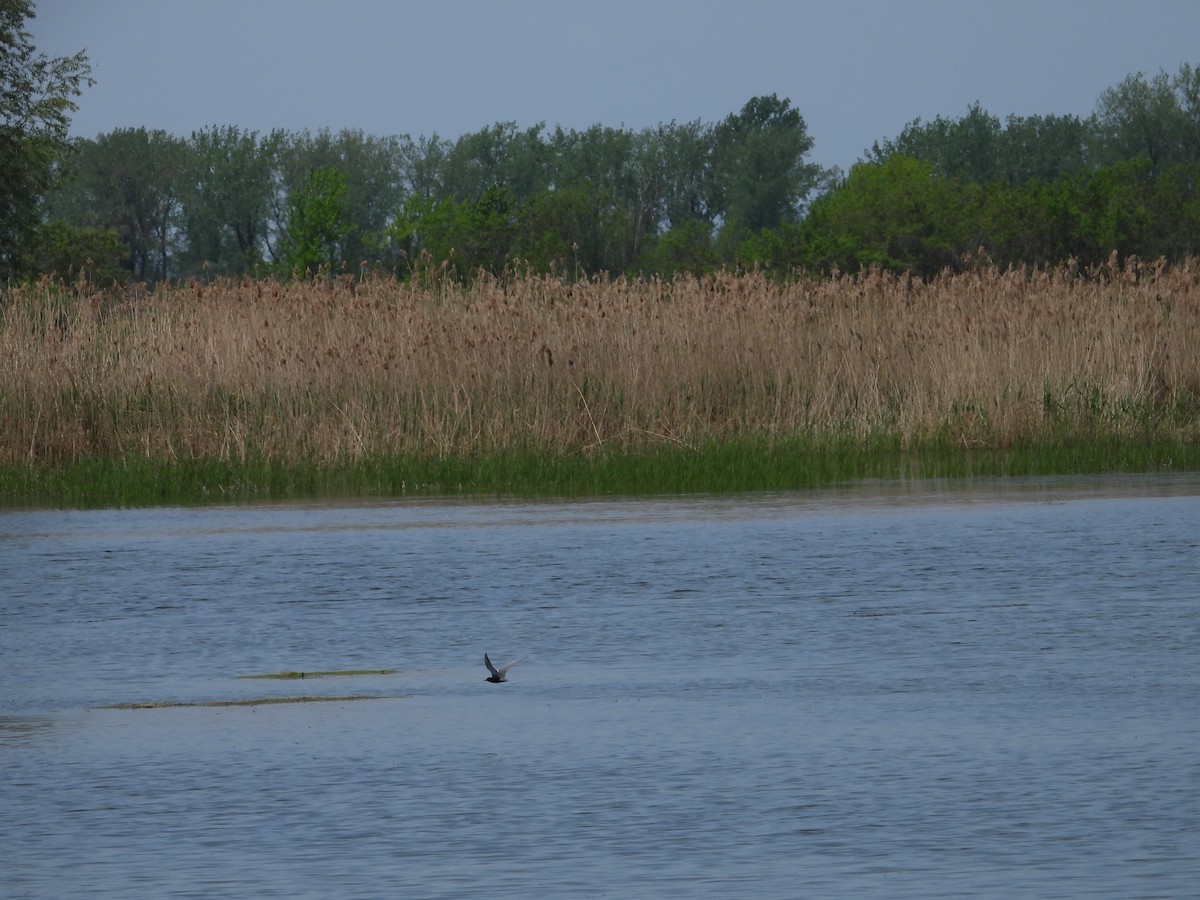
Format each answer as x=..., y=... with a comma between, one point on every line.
x=898, y=691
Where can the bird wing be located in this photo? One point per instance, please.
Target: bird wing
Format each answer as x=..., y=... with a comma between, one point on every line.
x=487, y=662
x=509, y=666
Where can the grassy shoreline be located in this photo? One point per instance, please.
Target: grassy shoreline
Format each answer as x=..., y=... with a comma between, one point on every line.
x=539, y=386
x=731, y=468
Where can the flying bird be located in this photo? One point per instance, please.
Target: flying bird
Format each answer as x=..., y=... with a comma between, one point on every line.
x=498, y=675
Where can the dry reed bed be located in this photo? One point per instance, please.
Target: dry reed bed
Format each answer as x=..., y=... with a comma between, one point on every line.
x=340, y=371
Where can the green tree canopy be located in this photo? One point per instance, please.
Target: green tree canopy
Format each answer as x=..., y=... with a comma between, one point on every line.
x=318, y=224
x=968, y=148
x=36, y=102
x=978, y=148
x=131, y=181
x=229, y=186
x=759, y=174
x=1155, y=118
x=899, y=215
x=372, y=169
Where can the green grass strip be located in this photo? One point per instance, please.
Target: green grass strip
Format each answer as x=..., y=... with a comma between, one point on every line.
x=747, y=464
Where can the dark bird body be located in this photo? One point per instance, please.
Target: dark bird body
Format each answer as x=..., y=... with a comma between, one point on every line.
x=498, y=675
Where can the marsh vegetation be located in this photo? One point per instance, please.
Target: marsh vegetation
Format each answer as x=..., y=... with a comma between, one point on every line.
x=536, y=383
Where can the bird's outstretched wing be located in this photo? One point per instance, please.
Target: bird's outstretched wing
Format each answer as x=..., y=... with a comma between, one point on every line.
x=487, y=662
x=509, y=666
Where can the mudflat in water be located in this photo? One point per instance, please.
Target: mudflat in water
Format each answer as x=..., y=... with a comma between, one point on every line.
x=912, y=690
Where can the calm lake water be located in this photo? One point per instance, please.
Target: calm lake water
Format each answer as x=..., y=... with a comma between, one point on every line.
x=917, y=690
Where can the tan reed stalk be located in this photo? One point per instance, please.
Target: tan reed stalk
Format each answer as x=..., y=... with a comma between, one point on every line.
x=341, y=371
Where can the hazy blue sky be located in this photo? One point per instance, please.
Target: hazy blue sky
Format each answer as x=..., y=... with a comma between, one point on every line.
x=858, y=70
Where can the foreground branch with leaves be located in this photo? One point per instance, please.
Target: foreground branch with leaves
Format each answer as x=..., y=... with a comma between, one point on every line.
x=36, y=99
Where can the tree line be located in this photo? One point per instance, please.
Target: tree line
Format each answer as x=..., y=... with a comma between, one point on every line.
x=1032, y=190
x=145, y=205
x=230, y=201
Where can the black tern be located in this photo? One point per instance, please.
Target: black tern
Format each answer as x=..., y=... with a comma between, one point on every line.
x=498, y=675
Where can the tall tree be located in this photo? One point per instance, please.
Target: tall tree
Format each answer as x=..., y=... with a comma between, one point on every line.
x=1141, y=118
x=130, y=180
x=1187, y=94
x=374, y=173
x=422, y=164
x=977, y=148
x=970, y=147
x=686, y=151
x=375, y=189
x=501, y=154
x=897, y=214
x=621, y=172
x=1042, y=148
x=36, y=102
x=760, y=178
x=229, y=184
x=318, y=224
